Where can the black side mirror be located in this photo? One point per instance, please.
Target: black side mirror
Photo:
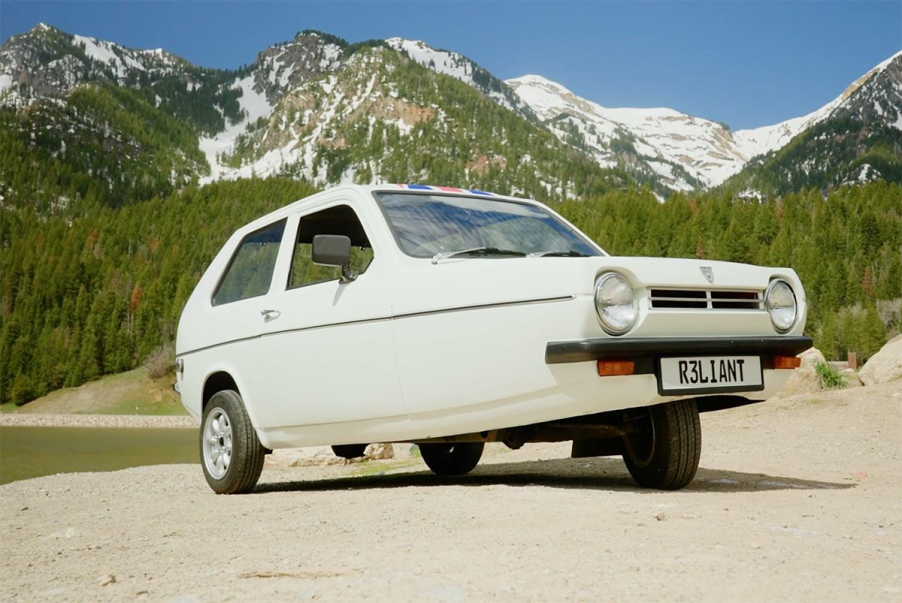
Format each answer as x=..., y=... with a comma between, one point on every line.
x=334, y=250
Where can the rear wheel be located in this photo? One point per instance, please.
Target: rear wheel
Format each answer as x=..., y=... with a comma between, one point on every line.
x=231, y=455
x=452, y=459
x=664, y=450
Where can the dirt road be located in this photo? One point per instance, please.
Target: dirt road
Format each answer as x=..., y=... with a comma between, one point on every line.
x=796, y=499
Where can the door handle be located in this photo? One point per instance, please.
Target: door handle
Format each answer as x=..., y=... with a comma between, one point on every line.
x=269, y=313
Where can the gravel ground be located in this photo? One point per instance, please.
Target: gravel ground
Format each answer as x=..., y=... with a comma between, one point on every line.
x=55, y=420
x=795, y=499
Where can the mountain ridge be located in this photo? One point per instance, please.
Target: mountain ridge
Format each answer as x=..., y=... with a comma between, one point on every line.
x=668, y=149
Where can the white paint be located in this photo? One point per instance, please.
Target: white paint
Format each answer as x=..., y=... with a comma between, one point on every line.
x=402, y=368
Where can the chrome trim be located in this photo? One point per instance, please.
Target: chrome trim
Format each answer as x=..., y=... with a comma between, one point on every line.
x=384, y=318
x=604, y=325
x=795, y=305
x=709, y=301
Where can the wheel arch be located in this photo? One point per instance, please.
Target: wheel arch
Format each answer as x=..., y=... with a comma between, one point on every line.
x=217, y=382
x=224, y=378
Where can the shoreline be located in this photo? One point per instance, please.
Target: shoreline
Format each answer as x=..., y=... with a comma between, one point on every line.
x=121, y=421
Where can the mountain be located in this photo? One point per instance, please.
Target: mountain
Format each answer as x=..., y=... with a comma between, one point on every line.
x=379, y=115
x=682, y=151
x=314, y=107
x=856, y=138
x=461, y=68
x=46, y=62
x=328, y=111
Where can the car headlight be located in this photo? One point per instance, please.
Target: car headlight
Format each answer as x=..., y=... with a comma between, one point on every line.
x=780, y=302
x=615, y=303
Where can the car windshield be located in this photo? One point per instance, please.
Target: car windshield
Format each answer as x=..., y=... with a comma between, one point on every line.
x=431, y=226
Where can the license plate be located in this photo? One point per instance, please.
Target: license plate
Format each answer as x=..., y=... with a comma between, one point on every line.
x=710, y=374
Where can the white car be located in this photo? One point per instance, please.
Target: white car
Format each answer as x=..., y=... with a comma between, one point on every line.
x=451, y=318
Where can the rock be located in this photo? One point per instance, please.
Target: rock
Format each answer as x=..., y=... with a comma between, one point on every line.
x=660, y=517
x=851, y=377
x=885, y=365
x=804, y=379
x=303, y=457
x=107, y=580
x=379, y=451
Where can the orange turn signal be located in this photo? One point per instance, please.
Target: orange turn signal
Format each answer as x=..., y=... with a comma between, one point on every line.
x=610, y=368
x=787, y=362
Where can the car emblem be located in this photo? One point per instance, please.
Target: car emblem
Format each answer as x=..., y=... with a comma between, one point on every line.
x=708, y=273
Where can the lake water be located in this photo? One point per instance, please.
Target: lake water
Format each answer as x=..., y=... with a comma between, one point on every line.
x=35, y=451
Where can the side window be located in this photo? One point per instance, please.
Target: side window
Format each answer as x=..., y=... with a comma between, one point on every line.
x=339, y=220
x=250, y=272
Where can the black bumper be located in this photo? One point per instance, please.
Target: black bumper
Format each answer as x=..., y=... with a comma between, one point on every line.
x=608, y=348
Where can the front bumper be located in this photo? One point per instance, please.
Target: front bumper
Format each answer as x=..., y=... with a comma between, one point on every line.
x=642, y=348
x=647, y=352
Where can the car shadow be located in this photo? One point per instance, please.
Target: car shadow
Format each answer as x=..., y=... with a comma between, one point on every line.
x=581, y=474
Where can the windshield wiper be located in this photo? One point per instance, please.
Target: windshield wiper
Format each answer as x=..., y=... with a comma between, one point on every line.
x=557, y=254
x=475, y=251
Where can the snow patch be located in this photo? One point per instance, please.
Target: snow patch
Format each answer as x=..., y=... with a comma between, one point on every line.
x=6, y=82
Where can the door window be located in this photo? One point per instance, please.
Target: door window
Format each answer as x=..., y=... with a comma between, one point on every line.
x=250, y=271
x=339, y=220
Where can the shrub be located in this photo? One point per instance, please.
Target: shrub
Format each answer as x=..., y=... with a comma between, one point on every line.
x=161, y=361
x=828, y=376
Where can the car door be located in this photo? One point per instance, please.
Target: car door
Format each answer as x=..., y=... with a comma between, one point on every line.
x=327, y=351
x=231, y=306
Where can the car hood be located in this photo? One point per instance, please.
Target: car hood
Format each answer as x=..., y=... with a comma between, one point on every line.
x=471, y=281
x=693, y=274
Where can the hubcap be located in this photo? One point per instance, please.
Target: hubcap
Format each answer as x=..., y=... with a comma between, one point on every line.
x=217, y=443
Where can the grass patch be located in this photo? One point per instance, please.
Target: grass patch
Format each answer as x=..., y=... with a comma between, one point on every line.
x=828, y=377
x=379, y=467
x=131, y=393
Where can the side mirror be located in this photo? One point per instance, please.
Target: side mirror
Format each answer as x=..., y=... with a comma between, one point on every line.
x=334, y=250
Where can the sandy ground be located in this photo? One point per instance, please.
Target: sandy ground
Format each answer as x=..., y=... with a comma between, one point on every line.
x=796, y=499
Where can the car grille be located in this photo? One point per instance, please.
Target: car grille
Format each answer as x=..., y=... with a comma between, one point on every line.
x=706, y=299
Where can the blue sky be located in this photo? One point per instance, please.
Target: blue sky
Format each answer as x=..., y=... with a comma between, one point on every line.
x=744, y=63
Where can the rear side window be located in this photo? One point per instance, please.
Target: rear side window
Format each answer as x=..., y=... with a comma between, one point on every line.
x=250, y=272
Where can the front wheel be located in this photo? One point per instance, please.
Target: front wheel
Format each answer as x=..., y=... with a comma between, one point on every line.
x=664, y=449
x=231, y=454
x=452, y=459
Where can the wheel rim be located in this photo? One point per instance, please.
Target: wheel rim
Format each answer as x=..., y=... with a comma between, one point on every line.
x=640, y=443
x=217, y=443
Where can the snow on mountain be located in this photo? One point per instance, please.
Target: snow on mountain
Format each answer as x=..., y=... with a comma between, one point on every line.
x=663, y=138
x=759, y=141
x=664, y=147
x=461, y=68
x=46, y=61
x=677, y=147
x=277, y=70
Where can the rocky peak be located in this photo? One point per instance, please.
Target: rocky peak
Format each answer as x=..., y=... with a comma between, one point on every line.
x=47, y=62
x=876, y=97
x=282, y=67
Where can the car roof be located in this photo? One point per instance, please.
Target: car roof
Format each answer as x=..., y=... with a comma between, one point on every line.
x=367, y=189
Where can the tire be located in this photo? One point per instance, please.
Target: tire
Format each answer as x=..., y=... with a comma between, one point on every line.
x=237, y=471
x=349, y=451
x=452, y=459
x=665, y=454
